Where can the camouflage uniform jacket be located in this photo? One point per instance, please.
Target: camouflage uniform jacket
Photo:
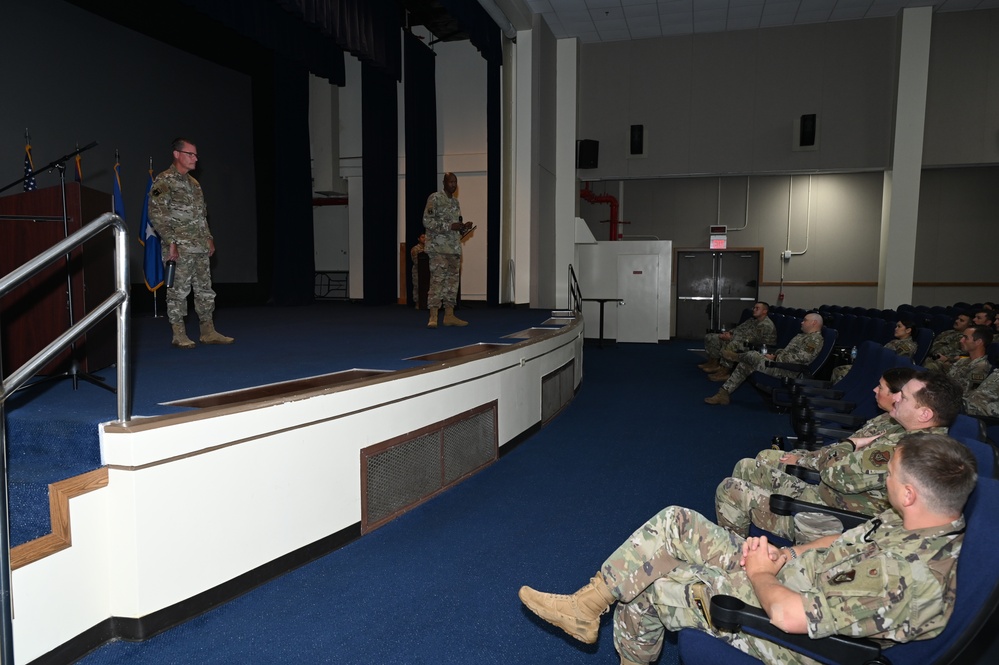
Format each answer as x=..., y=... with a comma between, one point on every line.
x=984, y=400
x=817, y=459
x=855, y=480
x=947, y=343
x=801, y=350
x=752, y=333
x=881, y=582
x=969, y=373
x=903, y=347
x=441, y=212
x=177, y=212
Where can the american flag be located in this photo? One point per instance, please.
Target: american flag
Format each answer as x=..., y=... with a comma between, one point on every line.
x=29, y=170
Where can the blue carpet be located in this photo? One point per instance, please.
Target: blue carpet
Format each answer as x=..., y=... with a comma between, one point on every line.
x=439, y=584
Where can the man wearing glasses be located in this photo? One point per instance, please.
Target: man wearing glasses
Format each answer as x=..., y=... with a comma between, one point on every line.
x=177, y=212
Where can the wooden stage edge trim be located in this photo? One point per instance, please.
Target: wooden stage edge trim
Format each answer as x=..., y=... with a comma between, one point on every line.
x=62, y=535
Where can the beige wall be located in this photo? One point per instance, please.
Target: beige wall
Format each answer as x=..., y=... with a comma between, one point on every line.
x=719, y=110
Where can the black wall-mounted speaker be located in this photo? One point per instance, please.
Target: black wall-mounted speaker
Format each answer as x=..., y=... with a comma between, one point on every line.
x=806, y=132
x=637, y=142
x=587, y=153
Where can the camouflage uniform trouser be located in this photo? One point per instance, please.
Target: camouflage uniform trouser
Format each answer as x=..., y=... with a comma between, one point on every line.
x=652, y=575
x=445, y=270
x=745, y=498
x=714, y=347
x=752, y=361
x=193, y=273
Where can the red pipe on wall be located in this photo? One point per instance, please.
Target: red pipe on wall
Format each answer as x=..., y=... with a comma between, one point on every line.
x=591, y=197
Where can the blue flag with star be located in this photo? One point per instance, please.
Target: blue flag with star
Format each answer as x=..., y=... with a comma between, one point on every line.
x=152, y=260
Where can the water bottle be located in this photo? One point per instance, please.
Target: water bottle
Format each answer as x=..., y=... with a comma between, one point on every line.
x=171, y=270
x=763, y=349
x=853, y=354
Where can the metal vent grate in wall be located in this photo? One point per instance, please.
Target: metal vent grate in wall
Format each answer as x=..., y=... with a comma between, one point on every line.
x=401, y=473
x=557, y=390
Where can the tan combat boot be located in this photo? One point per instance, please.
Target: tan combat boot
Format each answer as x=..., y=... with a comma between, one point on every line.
x=721, y=397
x=721, y=375
x=578, y=614
x=626, y=661
x=211, y=336
x=432, y=323
x=451, y=320
x=710, y=366
x=180, y=338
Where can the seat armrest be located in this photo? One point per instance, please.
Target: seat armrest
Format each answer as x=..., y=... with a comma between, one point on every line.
x=808, y=475
x=831, y=403
x=828, y=393
x=794, y=367
x=847, y=419
x=731, y=614
x=781, y=504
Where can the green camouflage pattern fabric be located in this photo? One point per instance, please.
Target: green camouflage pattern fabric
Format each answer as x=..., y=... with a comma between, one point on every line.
x=440, y=213
x=969, y=373
x=984, y=400
x=851, y=480
x=748, y=334
x=896, y=588
x=801, y=350
x=445, y=272
x=947, y=343
x=414, y=254
x=443, y=248
x=177, y=211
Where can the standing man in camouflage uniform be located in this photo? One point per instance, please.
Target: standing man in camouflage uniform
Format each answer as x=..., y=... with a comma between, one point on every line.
x=853, y=472
x=444, y=226
x=753, y=332
x=677, y=560
x=970, y=371
x=946, y=347
x=177, y=212
x=801, y=350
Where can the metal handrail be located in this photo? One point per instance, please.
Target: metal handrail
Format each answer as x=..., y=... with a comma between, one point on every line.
x=575, y=293
x=118, y=301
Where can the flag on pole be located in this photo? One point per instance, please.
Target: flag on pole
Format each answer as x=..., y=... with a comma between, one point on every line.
x=79, y=167
x=152, y=260
x=117, y=204
x=29, y=170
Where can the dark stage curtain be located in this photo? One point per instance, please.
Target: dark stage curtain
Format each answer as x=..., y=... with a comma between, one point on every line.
x=367, y=29
x=421, y=136
x=289, y=240
x=379, y=164
x=482, y=30
x=494, y=166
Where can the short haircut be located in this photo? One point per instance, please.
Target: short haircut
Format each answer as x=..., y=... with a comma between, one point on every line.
x=943, y=470
x=896, y=377
x=981, y=334
x=815, y=315
x=766, y=305
x=179, y=142
x=940, y=393
x=989, y=314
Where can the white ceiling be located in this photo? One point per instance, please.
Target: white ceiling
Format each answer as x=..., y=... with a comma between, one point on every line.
x=616, y=20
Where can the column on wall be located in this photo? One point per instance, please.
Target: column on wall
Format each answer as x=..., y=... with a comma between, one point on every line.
x=901, y=192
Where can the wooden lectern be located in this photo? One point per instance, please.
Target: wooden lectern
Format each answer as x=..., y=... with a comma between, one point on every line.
x=37, y=312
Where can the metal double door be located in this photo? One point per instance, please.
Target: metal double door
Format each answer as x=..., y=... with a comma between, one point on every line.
x=713, y=287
